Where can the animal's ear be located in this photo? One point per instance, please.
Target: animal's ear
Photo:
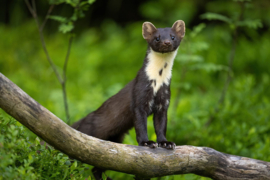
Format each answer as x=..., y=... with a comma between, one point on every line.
x=179, y=28
x=148, y=29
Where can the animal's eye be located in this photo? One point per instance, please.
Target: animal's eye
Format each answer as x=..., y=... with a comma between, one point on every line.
x=172, y=37
x=157, y=38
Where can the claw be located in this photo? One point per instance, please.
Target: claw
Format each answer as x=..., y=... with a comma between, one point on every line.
x=167, y=145
x=150, y=144
x=164, y=145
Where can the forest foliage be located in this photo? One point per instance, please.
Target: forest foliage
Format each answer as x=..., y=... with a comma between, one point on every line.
x=220, y=83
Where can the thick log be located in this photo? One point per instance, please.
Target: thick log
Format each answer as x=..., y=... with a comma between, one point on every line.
x=140, y=161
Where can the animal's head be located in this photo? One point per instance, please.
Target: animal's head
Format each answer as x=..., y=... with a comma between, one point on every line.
x=164, y=39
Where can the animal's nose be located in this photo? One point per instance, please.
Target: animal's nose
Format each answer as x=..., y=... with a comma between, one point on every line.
x=166, y=42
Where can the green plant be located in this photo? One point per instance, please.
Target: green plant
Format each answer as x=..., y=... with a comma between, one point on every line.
x=66, y=26
x=234, y=23
x=25, y=158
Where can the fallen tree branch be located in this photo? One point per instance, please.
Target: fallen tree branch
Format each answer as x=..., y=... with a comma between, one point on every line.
x=141, y=161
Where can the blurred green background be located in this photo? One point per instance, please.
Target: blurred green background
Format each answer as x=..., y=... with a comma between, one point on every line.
x=108, y=50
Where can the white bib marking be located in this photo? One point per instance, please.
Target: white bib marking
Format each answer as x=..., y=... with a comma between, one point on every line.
x=156, y=62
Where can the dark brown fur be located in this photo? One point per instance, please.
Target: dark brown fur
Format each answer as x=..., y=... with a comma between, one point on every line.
x=112, y=119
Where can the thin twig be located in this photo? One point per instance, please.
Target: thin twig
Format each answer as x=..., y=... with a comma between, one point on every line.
x=34, y=6
x=33, y=9
x=64, y=79
x=29, y=7
x=49, y=58
x=47, y=17
x=67, y=57
x=227, y=82
x=230, y=64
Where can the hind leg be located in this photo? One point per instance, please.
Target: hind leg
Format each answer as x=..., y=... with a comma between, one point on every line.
x=117, y=138
x=139, y=178
x=97, y=172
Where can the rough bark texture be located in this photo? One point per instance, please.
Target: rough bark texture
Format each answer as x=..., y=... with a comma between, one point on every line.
x=140, y=161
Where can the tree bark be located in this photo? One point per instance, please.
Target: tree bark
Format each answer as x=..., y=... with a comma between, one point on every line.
x=140, y=161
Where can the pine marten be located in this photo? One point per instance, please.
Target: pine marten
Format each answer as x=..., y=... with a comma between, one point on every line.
x=149, y=93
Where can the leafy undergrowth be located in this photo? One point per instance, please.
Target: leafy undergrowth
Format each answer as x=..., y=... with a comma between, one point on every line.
x=23, y=157
x=241, y=127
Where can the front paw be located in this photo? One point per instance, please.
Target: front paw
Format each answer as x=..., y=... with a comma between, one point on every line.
x=150, y=144
x=167, y=145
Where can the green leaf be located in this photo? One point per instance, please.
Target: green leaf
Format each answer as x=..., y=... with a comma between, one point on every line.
x=104, y=177
x=84, y=6
x=59, y=18
x=73, y=3
x=255, y=24
x=37, y=141
x=197, y=29
x=74, y=17
x=209, y=67
x=74, y=165
x=185, y=58
x=83, y=3
x=184, y=85
x=91, y=1
x=64, y=28
x=199, y=46
x=214, y=16
x=30, y=159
